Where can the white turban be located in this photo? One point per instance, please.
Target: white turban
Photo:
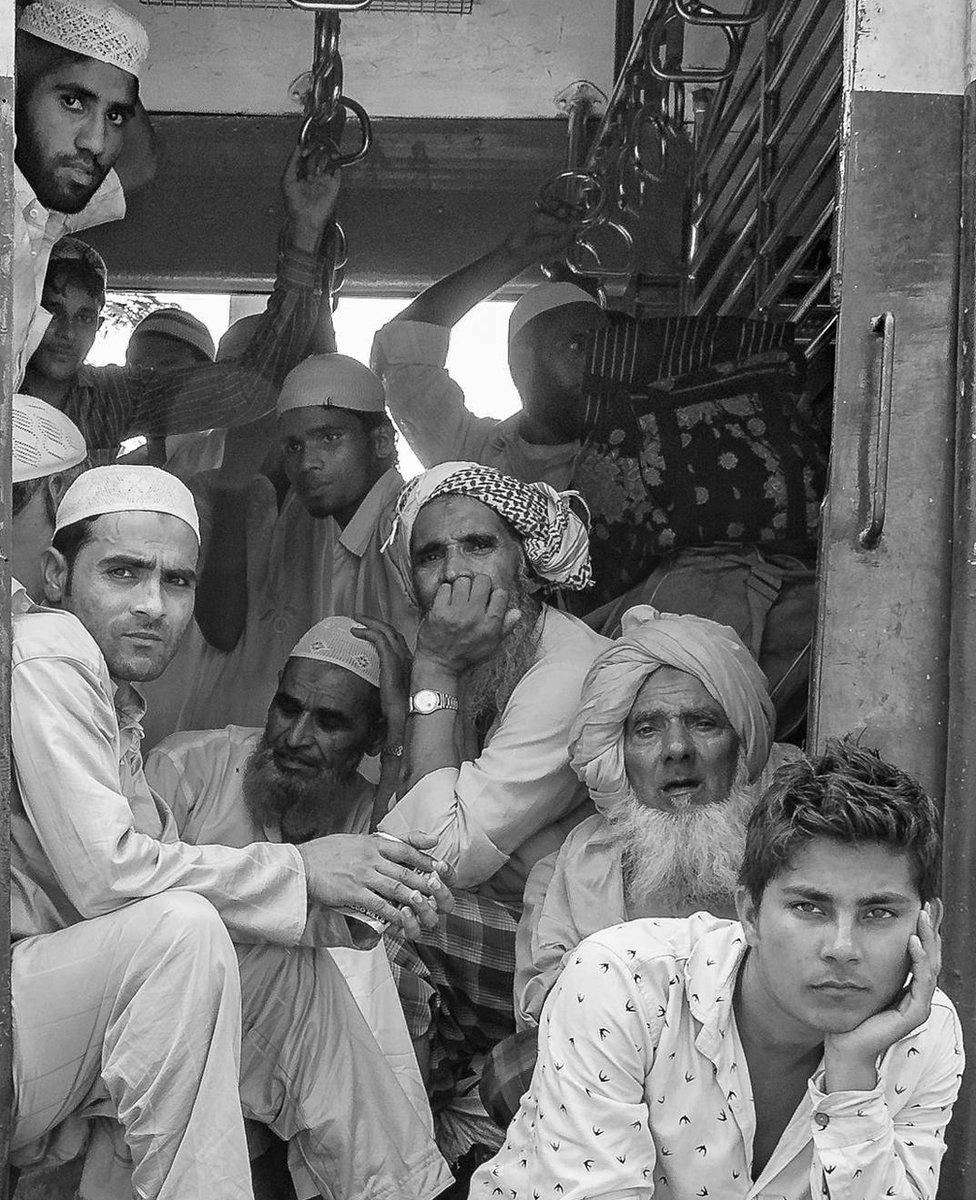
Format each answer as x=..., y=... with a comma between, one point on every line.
x=649, y=640
x=116, y=489
x=45, y=440
x=332, y=641
x=555, y=540
x=95, y=28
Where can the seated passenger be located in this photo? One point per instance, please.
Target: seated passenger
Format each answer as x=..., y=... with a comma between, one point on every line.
x=276, y=562
x=297, y=778
x=782, y=1054
x=170, y=385
x=130, y=998
x=494, y=688
x=547, y=354
x=46, y=446
x=64, y=179
x=674, y=742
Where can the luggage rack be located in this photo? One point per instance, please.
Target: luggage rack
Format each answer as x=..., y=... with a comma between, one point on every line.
x=456, y=8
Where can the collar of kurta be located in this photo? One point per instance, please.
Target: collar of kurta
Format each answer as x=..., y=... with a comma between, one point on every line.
x=361, y=529
x=130, y=705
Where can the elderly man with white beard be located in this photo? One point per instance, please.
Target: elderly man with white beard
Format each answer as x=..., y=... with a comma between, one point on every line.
x=674, y=740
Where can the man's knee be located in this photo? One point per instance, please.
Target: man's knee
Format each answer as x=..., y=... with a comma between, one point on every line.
x=183, y=925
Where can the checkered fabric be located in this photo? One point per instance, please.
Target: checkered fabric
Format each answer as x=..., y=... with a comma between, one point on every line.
x=507, y=1074
x=457, y=983
x=555, y=539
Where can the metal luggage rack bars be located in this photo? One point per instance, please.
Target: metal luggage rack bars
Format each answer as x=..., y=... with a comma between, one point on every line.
x=764, y=176
x=765, y=135
x=456, y=8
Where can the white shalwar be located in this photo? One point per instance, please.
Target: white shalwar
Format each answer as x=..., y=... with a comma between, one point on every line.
x=129, y=996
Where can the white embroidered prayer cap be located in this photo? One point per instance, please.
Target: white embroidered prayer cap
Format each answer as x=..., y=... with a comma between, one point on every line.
x=116, y=489
x=95, y=28
x=184, y=327
x=45, y=440
x=542, y=299
x=332, y=641
x=332, y=381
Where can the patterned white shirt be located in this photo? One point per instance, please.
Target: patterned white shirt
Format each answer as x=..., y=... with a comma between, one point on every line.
x=642, y=1089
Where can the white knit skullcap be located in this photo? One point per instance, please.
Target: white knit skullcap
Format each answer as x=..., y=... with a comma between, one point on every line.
x=237, y=337
x=117, y=488
x=45, y=440
x=543, y=298
x=331, y=641
x=177, y=323
x=332, y=381
x=95, y=28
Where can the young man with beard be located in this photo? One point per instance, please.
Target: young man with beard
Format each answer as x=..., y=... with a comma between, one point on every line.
x=275, y=561
x=77, y=116
x=674, y=742
x=547, y=340
x=302, y=776
x=494, y=689
x=783, y=1054
x=158, y=982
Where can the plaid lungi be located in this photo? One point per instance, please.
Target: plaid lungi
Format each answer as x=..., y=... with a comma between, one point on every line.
x=456, y=983
x=507, y=1074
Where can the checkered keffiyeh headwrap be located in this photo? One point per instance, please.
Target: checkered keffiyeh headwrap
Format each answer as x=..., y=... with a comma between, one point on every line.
x=555, y=539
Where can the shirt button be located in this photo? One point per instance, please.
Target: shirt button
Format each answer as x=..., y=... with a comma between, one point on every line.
x=821, y=1120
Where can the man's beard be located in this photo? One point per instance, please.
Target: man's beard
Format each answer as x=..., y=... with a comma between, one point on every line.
x=301, y=807
x=487, y=687
x=685, y=856
x=41, y=174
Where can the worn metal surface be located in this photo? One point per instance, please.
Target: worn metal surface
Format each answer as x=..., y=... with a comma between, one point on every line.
x=959, y=856
x=432, y=195
x=881, y=661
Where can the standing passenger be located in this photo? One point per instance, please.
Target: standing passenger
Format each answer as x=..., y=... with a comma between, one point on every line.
x=170, y=383
x=274, y=563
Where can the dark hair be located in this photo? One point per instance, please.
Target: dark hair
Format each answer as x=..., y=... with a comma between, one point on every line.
x=78, y=273
x=23, y=493
x=69, y=542
x=850, y=795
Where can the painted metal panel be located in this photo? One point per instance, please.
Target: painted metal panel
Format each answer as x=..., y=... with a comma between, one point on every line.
x=430, y=196
x=881, y=661
x=504, y=60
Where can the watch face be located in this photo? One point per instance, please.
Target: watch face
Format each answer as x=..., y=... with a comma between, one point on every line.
x=425, y=701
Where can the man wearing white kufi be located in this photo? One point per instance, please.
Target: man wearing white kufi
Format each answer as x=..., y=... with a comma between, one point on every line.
x=547, y=338
x=64, y=179
x=674, y=742
x=273, y=565
x=155, y=981
x=494, y=688
x=46, y=448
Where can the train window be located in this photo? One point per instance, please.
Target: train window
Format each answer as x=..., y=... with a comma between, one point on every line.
x=478, y=357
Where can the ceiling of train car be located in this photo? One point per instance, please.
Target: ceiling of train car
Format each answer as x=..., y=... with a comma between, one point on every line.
x=507, y=58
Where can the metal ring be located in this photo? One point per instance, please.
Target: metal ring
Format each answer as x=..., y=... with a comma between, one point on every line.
x=703, y=15
x=585, y=209
x=599, y=270
x=656, y=38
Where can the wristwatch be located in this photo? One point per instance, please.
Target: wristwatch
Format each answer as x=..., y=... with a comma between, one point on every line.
x=427, y=701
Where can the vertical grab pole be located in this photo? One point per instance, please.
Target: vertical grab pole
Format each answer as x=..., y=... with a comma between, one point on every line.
x=6, y=391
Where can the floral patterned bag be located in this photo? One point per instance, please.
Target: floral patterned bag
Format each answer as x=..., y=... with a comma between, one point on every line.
x=698, y=437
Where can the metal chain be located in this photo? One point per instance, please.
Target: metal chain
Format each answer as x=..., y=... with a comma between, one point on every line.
x=325, y=112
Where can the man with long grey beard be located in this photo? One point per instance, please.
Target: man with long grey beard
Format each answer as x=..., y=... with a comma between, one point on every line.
x=674, y=741
x=304, y=776
x=494, y=688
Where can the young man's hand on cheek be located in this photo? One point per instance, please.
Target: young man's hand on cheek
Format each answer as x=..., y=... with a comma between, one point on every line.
x=850, y=1059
